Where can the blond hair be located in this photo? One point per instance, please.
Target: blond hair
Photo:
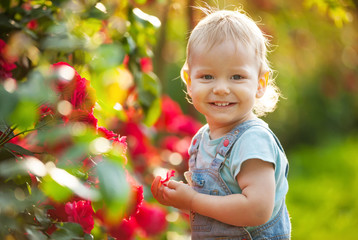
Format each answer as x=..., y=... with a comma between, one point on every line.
x=235, y=25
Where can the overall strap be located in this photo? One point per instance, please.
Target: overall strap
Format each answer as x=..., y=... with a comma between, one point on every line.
x=194, y=147
x=224, y=147
x=229, y=139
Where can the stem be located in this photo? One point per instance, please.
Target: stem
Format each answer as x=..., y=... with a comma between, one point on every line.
x=4, y=138
x=29, y=130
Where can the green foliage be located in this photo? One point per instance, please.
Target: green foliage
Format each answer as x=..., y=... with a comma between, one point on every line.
x=52, y=149
x=323, y=190
x=116, y=198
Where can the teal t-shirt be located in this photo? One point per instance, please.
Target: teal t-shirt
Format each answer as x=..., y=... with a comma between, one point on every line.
x=256, y=142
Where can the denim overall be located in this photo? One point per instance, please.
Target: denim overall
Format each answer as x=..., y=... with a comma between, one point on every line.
x=209, y=181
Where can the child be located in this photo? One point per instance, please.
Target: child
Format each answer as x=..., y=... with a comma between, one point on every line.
x=237, y=178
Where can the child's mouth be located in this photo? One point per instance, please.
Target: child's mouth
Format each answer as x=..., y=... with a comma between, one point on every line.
x=221, y=104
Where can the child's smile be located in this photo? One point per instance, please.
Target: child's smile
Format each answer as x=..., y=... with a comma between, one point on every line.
x=223, y=84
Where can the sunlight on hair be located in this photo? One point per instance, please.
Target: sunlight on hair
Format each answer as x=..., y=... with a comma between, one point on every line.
x=64, y=107
x=100, y=145
x=66, y=73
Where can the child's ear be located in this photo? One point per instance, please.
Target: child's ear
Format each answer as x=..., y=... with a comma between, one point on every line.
x=186, y=77
x=262, y=84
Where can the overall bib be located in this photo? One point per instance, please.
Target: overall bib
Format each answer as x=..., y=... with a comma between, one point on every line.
x=209, y=181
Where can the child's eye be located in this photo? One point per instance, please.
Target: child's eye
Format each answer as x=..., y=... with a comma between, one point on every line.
x=236, y=77
x=207, y=77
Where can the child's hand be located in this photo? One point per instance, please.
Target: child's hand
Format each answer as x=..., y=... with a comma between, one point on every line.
x=179, y=195
x=158, y=190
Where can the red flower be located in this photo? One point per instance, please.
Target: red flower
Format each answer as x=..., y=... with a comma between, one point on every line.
x=107, y=133
x=79, y=115
x=177, y=144
x=126, y=60
x=151, y=219
x=81, y=212
x=137, y=197
x=184, y=124
x=57, y=211
x=125, y=231
x=79, y=93
x=6, y=66
x=138, y=141
x=45, y=110
x=173, y=120
x=170, y=174
x=32, y=24
x=76, y=90
x=170, y=110
x=146, y=64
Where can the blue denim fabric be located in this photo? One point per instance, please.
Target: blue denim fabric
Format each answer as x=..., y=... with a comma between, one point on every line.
x=209, y=181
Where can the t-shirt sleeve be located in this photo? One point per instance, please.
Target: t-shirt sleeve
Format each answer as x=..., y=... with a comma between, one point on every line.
x=254, y=143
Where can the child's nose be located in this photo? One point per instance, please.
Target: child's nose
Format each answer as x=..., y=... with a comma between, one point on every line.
x=221, y=88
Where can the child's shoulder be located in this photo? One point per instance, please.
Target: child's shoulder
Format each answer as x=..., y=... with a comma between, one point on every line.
x=256, y=136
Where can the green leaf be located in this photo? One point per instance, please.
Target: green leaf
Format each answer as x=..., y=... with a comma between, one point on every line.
x=34, y=234
x=114, y=187
x=54, y=190
x=149, y=89
x=53, y=135
x=5, y=4
x=8, y=102
x=75, y=153
x=5, y=22
x=60, y=39
x=67, y=230
x=153, y=113
x=18, y=149
x=88, y=237
x=94, y=12
x=12, y=168
x=37, y=88
x=25, y=114
x=41, y=217
x=107, y=56
x=4, y=127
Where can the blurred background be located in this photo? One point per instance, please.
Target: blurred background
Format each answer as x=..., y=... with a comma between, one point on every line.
x=142, y=46
x=315, y=53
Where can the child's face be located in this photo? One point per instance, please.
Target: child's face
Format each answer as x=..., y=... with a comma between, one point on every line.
x=224, y=82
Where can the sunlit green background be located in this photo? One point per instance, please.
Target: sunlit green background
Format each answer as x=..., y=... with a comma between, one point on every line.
x=315, y=54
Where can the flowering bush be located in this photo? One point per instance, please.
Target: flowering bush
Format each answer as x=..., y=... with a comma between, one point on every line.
x=81, y=212
x=81, y=127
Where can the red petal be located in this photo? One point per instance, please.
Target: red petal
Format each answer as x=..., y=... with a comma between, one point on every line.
x=170, y=174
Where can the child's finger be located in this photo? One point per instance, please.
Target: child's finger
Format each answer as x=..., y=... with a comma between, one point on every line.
x=155, y=186
x=167, y=193
x=173, y=184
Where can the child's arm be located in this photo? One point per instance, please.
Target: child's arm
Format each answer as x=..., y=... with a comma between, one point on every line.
x=251, y=208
